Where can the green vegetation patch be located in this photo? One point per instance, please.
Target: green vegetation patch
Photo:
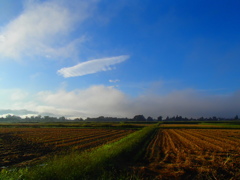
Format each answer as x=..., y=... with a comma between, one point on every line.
x=114, y=125
x=201, y=125
x=230, y=125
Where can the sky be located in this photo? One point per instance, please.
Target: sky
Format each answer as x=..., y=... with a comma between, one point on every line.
x=90, y=58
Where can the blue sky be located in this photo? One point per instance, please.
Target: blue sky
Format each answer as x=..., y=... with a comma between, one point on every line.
x=87, y=58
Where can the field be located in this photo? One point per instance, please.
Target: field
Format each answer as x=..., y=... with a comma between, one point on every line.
x=192, y=154
x=22, y=146
x=185, y=150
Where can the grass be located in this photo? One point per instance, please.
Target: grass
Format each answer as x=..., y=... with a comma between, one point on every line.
x=230, y=125
x=201, y=125
x=101, y=163
x=95, y=125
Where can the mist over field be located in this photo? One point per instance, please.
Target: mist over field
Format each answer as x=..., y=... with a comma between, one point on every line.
x=110, y=102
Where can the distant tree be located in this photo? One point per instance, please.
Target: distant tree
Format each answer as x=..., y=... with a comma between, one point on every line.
x=50, y=119
x=101, y=118
x=200, y=119
x=2, y=119
x=38, y=118
x=178, y=118
x=172, y=118
x=46, y=118
x=13, y=118
x=62, y=118
x=78, y=119
x=185, y=119
x=159, y=118
x=149, y=119
x=139, y=118
x=236, y=117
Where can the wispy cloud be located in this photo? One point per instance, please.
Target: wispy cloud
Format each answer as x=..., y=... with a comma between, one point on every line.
x=114, y=81
x=43, y=28
x=18, y=95
x=92, y=66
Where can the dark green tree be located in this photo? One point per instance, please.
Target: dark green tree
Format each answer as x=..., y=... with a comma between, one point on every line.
x=149, y=119
x=159, y=118
x=139, y=118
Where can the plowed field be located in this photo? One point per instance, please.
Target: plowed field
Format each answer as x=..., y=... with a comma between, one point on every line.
x=192, y=154
x=23, y=146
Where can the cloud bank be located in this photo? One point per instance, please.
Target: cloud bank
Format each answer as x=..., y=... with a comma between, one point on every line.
x=92, y=66
x=109, y=101
x=91, y=102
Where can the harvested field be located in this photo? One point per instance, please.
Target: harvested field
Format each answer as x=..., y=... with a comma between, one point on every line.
x=192, y=154
x=23, y=146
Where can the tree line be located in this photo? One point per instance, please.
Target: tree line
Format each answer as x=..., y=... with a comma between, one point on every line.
x=39, y=118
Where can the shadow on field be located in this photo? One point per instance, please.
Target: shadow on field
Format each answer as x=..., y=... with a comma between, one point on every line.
x=14, y=151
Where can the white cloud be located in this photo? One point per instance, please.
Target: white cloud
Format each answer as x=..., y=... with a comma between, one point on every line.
x=93, y=101
x=35, y=75
x=92, y=66
x=19, y=95
x=4, y=112
x=2, y=38
x=108, y=101
x=12, y=95
x=114, y=81
x=42, y=29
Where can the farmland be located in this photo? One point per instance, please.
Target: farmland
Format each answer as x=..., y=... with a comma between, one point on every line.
x=192, y=154
x=102, y=162
x=22, y=146
x=185, y=150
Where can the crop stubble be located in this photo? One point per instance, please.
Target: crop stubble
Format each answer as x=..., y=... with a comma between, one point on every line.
x=192, y=153
x=23, y=146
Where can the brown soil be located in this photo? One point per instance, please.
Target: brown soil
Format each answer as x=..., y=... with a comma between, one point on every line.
x=28, y=146
x=192, y=154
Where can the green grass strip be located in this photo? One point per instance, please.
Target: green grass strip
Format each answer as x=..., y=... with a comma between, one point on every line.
x=87, y=165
